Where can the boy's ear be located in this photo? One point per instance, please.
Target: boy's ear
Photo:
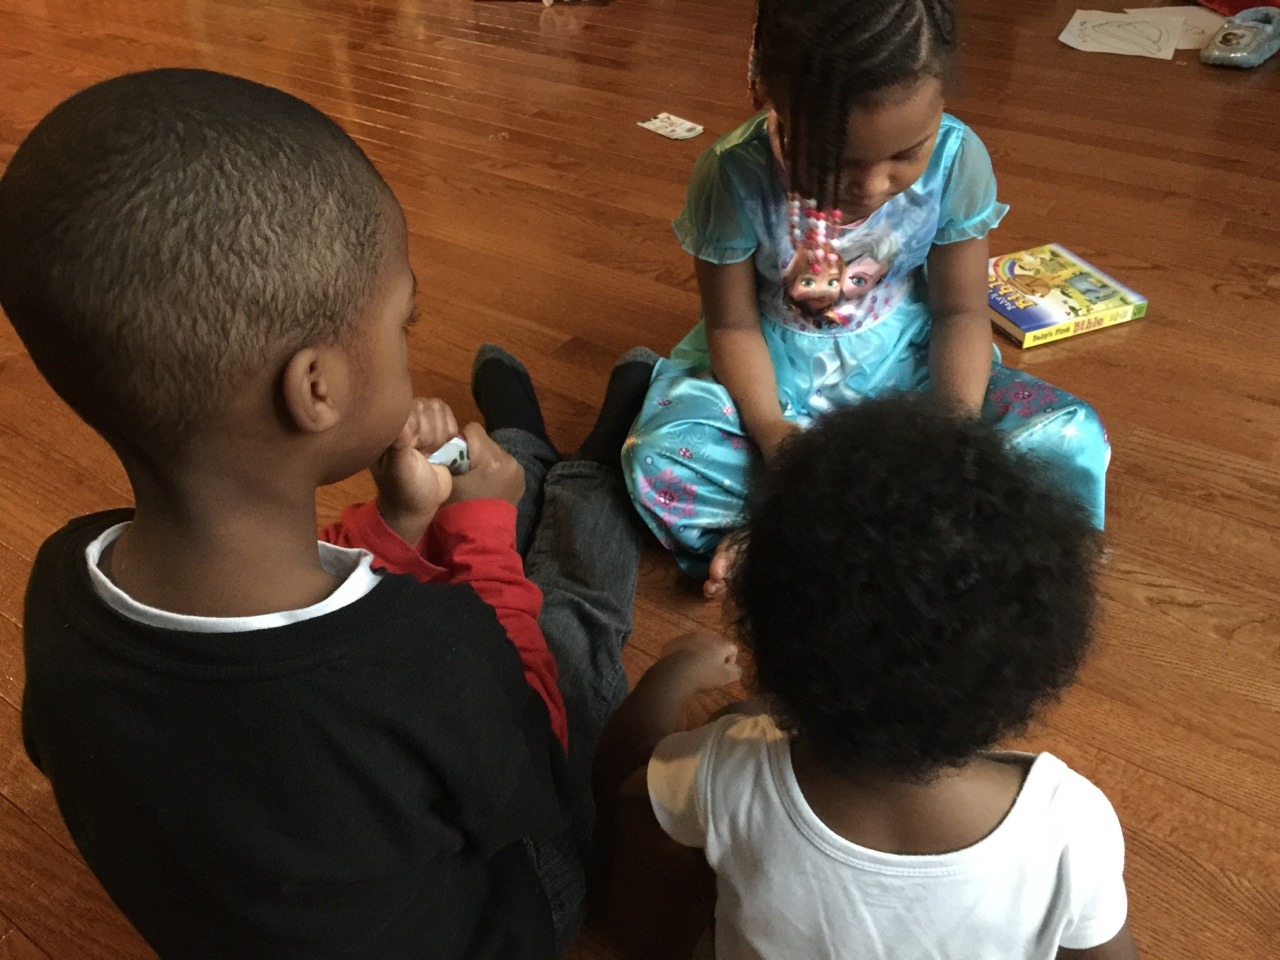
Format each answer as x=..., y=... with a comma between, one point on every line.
x=314, y=388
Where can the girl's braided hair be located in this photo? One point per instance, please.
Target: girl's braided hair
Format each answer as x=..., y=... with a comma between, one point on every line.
x=818, y=58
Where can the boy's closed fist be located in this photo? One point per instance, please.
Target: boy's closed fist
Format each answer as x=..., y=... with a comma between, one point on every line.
x=494, y=473
x=411, y=489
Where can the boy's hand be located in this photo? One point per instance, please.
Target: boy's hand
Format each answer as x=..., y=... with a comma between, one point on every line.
x=410, y=489
x=494, y=473
x=706, y=660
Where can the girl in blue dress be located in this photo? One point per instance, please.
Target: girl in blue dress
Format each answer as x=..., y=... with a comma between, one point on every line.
x=840, y=246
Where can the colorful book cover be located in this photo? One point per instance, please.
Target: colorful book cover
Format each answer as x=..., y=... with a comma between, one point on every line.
x=1048, y=293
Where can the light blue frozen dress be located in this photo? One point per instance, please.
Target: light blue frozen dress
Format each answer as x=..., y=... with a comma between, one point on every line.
x=688, y=457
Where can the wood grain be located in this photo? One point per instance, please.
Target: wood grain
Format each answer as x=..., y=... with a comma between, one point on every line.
x=508, y=132
x=15, y=946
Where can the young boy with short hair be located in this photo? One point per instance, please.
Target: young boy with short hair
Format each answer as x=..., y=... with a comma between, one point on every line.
x=266, y=746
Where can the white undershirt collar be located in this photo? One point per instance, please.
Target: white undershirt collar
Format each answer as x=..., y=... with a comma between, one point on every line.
x=352, y=566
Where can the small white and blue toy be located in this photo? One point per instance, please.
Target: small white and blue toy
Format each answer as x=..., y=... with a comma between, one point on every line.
x=1245, y=40
x=454, y=456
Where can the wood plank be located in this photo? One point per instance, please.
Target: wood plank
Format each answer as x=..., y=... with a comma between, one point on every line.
x=25, y=786
x=15, y=946
x=53, y=898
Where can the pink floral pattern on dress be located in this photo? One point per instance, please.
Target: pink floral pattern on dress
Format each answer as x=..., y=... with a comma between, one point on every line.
x=686, y=453
x=735, y=440
x=1023, y=398
x=669, y=496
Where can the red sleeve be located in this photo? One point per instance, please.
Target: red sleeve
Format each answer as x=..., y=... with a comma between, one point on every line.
x=471, y=542
x=362, y=526
x=475, y=540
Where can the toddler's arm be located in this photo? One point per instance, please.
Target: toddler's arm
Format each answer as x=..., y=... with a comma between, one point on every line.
x=1119, y=947
x=645, y=854
x=655, y=708
x=739, y=356
x=960, y=341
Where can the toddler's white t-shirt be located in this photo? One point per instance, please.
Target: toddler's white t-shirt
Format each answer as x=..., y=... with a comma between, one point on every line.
x=1049, y=876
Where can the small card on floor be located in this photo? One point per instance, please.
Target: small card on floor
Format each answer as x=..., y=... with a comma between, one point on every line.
x=671, y=126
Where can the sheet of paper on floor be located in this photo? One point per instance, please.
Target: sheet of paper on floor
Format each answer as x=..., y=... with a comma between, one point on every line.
x=1103, y=31
x=672, y=127
x=1198, y=24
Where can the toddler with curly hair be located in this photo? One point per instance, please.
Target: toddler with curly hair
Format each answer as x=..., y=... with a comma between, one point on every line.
x=912, y=593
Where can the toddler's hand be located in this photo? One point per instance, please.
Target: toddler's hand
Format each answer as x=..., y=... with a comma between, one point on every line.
x=410, y=489
x=708, y=660
x=749, y=707
x=494, y=473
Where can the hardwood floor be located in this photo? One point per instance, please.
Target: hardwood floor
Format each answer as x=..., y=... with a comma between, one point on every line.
x=508, y=130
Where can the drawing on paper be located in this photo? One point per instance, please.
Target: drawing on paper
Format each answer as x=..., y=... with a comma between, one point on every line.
x=1100, y=31
x=1198, y=24
x=1130, y=35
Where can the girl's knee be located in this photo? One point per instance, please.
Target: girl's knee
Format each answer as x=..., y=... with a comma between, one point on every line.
x=1088, y=431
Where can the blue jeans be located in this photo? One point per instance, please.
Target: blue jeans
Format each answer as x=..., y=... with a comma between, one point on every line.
x=581, y=544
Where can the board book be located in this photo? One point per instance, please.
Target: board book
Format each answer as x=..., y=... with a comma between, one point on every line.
x=1048, y=293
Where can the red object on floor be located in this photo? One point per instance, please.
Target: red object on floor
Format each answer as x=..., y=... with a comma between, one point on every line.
x=1231, y=7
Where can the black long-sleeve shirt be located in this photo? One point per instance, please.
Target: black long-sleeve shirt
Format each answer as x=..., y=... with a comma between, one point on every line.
x=351, y=786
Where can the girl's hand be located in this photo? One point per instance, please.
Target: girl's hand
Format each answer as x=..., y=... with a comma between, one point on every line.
x=706, y=660
x=410, y=489
x=769, y=436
